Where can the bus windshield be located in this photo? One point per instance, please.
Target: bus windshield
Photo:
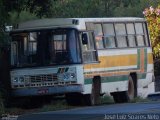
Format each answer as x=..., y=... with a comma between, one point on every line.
x=45, y=48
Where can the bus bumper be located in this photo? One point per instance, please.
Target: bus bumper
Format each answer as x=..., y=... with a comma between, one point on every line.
x=51, y=90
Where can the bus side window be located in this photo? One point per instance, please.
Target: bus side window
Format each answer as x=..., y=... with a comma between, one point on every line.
x=139, y=34
x=32, y=43
x=121, y=35
x=109, y=35
x=131, y=34
x=99, y=36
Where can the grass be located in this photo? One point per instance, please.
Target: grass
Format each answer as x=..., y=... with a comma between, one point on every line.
x=61, y=104
x=139, y=100
x=109, y=100
x=106, y=99
x=52, y=106
x=55, y=105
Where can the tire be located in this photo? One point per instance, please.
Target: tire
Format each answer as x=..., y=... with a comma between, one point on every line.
x=131, y=89
x=93, y=98
x=126, y=96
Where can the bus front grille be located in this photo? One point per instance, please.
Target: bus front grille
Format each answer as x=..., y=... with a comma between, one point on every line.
x=43, y=78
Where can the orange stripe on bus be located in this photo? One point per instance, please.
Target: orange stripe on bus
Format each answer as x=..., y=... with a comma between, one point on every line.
x=91, y=75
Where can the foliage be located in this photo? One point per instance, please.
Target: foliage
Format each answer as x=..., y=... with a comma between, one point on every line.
x=39, y=7
x=16, y=11
x=22, y=16
x=42, y=8
x=3, y=19
x=152, y=16
x=2, y=14
x=93, y=8
x=85, y=8
x=106, y=99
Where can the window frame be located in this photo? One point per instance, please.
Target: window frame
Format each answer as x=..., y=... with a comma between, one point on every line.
x=30, y=43
x=90, y=50
x=125, y=35
x=102, y=41
x=145, y=34
x=105, y=36
x=139, y=34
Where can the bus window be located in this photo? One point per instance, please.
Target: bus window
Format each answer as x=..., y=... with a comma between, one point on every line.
x=110, y=42
x=121, y=35
x=64, y=47
x=98, y=36
x=60, y=42
x=89, y=50
x=109, y=35
x=139, y=34
x=25, y=48
x=131, y=34
x=32, y=43
x=140, y=40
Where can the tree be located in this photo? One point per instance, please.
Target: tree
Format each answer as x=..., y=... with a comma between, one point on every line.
x=3, y=20
x=109, y=6
x=42, y=8
x=152, y=16
x=84, y=8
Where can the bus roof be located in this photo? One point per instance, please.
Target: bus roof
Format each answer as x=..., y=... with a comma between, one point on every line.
x=70, y=22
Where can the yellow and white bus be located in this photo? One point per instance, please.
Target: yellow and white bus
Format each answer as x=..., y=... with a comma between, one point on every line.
x=81, y=58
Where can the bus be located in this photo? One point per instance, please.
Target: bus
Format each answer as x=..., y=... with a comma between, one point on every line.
x=81, y=58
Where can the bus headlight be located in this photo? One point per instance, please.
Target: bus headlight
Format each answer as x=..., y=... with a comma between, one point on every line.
x=15, y=80
x=18, y=80
x=73, y=75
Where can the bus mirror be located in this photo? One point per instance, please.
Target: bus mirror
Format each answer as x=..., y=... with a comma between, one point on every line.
x=84, y=38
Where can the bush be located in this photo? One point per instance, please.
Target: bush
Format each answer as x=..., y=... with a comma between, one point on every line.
x=106, y=99
x=152, y=16
x=157, y=67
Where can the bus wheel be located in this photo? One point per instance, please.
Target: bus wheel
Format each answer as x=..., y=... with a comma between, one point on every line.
x=93, y=98
x=126, y=96
x=131, y=89
x=73, y=98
